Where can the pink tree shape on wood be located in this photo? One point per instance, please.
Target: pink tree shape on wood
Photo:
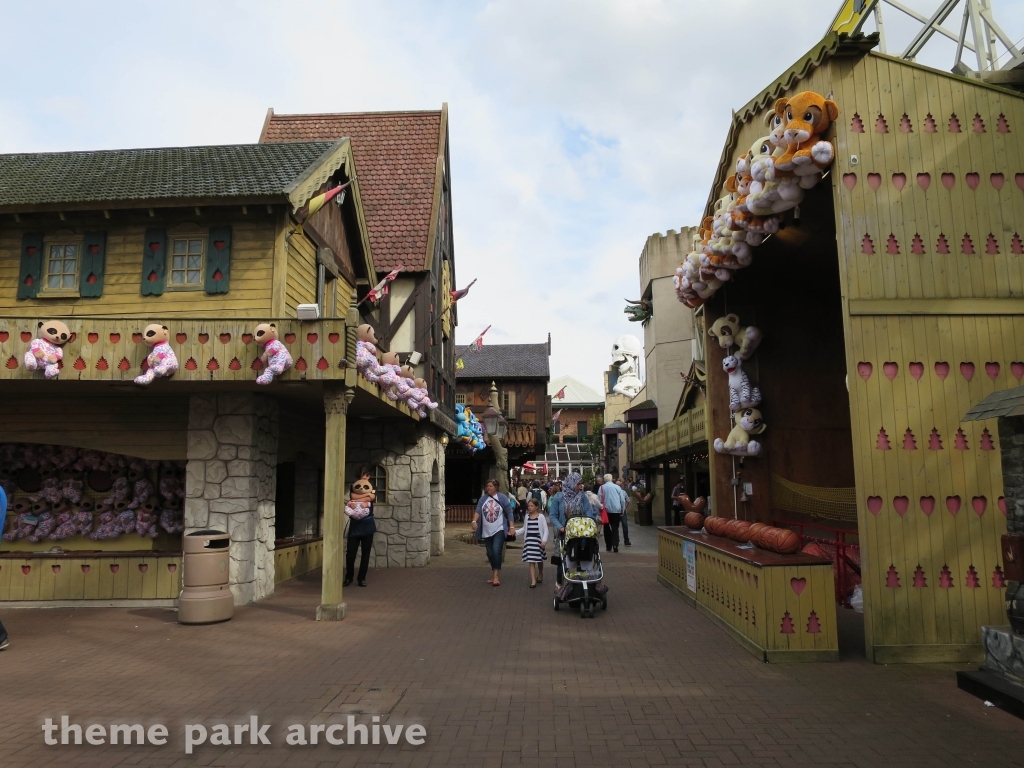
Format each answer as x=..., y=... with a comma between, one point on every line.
x=946, y=578
x=935, y=441
x=1016, y=246
x=1002, y=126
x=893, y=246
x=960, y=443
x=954, y=124
x=979, y=124
x=998, y=579
x=942, y=246
x=972, y=578
x=909, y=442
x=813, y=625
x=892, y=579
x=787, y=625
x=929, y=124
x=867, y=245
x=919, y=578
x=966, y=245
x=917, y=246
x=986, y=441
x=882, y=443
x=905, y=125
x=880, y=125
x=856, y=125
x=992, y=245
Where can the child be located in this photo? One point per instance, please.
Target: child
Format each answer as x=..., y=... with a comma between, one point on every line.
x=535, y=537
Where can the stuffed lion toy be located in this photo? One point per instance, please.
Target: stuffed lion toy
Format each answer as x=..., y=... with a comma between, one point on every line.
x=807, y=116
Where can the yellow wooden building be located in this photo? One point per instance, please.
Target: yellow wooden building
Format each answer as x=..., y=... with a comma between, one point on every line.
x=209, y=242
x=891, y=302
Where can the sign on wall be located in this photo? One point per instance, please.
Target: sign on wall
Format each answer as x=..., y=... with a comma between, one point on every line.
x=690, y=556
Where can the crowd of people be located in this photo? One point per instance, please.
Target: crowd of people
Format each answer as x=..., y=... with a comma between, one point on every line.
x=497, y=515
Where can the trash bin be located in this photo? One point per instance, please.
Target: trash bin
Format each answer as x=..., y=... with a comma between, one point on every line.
x=205, y=595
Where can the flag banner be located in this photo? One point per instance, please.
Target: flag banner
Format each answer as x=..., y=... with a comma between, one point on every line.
x=478, y=342
x=459, y=364
x=380, y=290
x=555, y=415
x=456, y=295
x=560, y=395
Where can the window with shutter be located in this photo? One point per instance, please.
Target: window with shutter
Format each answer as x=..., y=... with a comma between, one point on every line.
x=218, y=260
x=94, y=254
x=31, y=273
x=154, y=262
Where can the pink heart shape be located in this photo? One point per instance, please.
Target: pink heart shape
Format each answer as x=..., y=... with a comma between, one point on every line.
x=900, y=504
x=924, y=180
x=865, y=369
x=997, y=180
x=1017, y=369
x=890, y=370
x=917, y=370
x=899, y=180
x=967, y=370
x=849, y=180
x=927, y=504
x=1002, y=504
x=973, y=179
x=979, y=503
x=874, y=504
x=1019, y=178
x=948, y=180
x=942, y=370
x=798, y=585
x=992, y=369
x=953, y=504
x=874, y=180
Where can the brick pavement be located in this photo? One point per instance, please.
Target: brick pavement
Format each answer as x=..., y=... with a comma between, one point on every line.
x=496, y=676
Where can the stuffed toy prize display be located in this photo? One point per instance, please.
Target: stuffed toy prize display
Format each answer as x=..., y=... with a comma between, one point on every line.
x=276, y=358
x=770, y=179
x=161, y=361
x=47, y=349
x=470, y=431
x=398, y=382
x=361, y=498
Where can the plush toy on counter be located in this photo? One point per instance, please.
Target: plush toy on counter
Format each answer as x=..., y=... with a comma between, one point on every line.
x=46, y=350
x=276, y=357
x=161, y=360
x=741, y=393
x=366, y=353
x=23, y=521
x=807, y=115
x=361, y=498
x=728, y=332
x=747, y=422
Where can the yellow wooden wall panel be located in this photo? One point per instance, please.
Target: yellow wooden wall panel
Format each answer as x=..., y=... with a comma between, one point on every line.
x=302, y=272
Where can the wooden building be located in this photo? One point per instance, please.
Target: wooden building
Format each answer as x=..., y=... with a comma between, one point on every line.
x=521, y=373
x=578, y=407
x=206, y=241
x=889, y=304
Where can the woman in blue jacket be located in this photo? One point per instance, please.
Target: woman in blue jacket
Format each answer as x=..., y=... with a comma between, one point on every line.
x=492, y=521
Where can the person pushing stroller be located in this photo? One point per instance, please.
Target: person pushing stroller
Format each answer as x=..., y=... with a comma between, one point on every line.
x=579, y=572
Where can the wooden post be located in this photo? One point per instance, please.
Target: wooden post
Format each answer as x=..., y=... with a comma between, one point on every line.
x=336, y=402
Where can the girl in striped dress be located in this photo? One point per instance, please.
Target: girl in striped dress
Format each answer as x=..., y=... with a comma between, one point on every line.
x=535, y=537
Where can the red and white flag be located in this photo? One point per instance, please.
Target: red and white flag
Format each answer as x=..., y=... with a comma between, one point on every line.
x=380, y=290
x=461, y=292
x=478, y=342
x=556, y=414
x=561, y=394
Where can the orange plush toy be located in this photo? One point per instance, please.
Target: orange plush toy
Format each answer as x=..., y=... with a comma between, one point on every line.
x=807, y=115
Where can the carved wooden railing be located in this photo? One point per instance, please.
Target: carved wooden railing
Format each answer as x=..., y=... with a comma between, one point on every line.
x=682, y=432
x=112, y=349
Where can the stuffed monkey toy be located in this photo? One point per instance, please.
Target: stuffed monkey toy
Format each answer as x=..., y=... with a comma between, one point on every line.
x=161, y=360
x=46, y=350
x=276, y=357
x=361, y=497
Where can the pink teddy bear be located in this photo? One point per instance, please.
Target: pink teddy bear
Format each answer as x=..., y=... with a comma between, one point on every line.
x=390, y=375
x=276, y=357
x=45, y=351
x=161, y=360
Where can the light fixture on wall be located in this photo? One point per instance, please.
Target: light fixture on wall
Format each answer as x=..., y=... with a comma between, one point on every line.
x=414, y=358
x=444, y=439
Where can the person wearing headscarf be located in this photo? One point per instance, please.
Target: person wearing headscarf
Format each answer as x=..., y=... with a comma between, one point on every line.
x=575, y=496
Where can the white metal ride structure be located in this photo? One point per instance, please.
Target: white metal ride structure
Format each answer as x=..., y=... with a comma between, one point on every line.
x=997, y=59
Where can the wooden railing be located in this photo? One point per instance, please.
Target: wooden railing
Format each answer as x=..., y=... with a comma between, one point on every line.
x=682, y=432
x=112, y=349
x=459, y=513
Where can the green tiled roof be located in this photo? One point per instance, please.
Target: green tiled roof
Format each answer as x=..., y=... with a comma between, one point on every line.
x=237, y=170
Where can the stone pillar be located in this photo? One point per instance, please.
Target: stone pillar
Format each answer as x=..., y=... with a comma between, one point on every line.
x=307, y=496
x=336, y=402
x=231, y=483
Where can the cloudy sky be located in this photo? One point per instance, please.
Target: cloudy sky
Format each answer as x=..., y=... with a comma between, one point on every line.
x=578, y=127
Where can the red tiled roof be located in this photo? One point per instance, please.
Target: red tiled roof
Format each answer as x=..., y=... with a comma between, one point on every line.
x=396, y=162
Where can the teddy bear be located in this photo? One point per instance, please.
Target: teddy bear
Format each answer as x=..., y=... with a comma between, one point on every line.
x=118, y=492
x=747, y=422
x=741, y=393
x=23, y=525
x=71, y=489
x=421, y=402
x=47, y=522
x=361, y=498
x=171, y=519
x=50, y=491
x=46, y=350
x=83, y=517
x=125, y=518
x=390, y=374
x=66, y=525
x=728, y=332
x=161, y=360
x=772, y=191
x=107, y=528
x=807, y=115
x=366, y=353
x=276, y=357
x=146, y=517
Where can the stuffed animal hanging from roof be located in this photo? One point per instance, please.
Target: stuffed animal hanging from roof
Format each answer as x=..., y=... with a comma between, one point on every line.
x=46, y=350
x=728, y=332
x=276, y=357
x=741, y=393
x=807, y=116
x=161, y=360
x=747, y=422
x=390, y=374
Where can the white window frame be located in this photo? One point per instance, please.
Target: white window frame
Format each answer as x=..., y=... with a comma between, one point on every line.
x=61, y=241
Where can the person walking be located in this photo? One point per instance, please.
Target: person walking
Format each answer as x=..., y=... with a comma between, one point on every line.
x=492, y=522
x=536, y=492
x=4, y=640
x=522, y=493
x=361, y=528
x=613, y=500
x=625, y=514
x=535, y=539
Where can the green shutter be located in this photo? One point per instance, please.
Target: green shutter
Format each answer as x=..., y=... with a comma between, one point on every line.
x=218, y=260
x=94, y=254
x=31, y=277
x=154, y=262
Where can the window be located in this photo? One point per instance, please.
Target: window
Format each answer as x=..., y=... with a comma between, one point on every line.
x=508, y=405
x=378, y=479
x=555, y=427
x=187, y=262
x=581, y=428
x=460, y=398
x=62, y=267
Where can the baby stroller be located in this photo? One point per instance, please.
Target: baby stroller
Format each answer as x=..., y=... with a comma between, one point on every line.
x=579, y=568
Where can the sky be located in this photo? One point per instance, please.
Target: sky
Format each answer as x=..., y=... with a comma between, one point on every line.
x=578, y=127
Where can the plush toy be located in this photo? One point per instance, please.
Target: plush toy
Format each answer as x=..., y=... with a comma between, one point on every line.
x=747, y=422
x=46, y=350
x=420, y=399
x=66, y=525
x=161, y=360
x=107, y=528
x=741, y=393
x=146, y=516
x=50, y=491
x=118, y=492
x=366, y=353
x=807, y=116
x=46, y=525
x=83, y=517
x=361, y=497
x=22, y=527
x=171, y=519
x=71, y=489
x=728, y=332
x=276, y=357
x=390, y=374
x=405, y=384
x=143, y=490
x=125, y=519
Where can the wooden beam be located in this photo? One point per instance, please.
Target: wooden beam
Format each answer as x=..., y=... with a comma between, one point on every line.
x=336, y=403
x=278, y=294
x=983, y=306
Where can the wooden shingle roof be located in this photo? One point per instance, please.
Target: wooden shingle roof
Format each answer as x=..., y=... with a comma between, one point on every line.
x=396, y=159
x=1006, y=402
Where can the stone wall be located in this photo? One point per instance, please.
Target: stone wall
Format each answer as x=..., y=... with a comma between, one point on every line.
x=1011, y=446
x=410, y=523
x=231, y=483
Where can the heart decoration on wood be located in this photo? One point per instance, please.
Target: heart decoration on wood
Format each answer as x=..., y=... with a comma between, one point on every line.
x=137, y=338
x=967, y=370
x=115, y=337
x=924, y=180
x=172, y=567
x=31, y=250
x=289, y=338
x=992, y=369
x=927, y=504
x=874, y=504
x=26, y=569
x=899, y=180
x=953, y=504
x=311, y=338
x=181, y=337
x=86, y=568
x=203, y=338
x=942, y=370
x=225, y=338
x=1017, y=369
x=154, y=247
x=948, y=180
x=865, y=369
x=997, y=180
x=143, y=567
x=874, y=180
x=94, y=249
x=890, y=370
x=798, y=585
x=219, y=244
x=246, y=338
x=26, y=336
x=901, y=504
x=114, y=567
x=333, y=337
x=979, y=503
x=4, y=336
x=917, y=370
x=55, y=568
x=1019, y=178
x=973, y=179
x=849, y=180
x=93, y=338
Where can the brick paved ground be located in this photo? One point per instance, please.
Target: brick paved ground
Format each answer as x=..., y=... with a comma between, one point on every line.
x=496, y=676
